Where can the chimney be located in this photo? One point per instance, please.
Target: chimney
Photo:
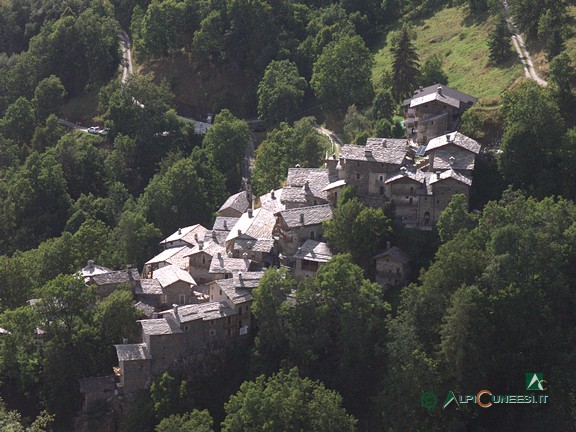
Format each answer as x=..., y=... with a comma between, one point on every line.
x=368, y=153
x=439, y=89
x=250, y=214
x=447, y=137
x=403, y=170
x=420, y=89
x=124, y=341
x=302, y=218
x=225, y=224
x=239, y=231
x=196, y=237
x=175, y=311
x=452, y=159
x=249, y=192
x=213, y=235
x=200, y=245
x=90, y=264
x=179, y=231
x=219, y=255
x=388, y=245
x=239, y=275
x=272, y=194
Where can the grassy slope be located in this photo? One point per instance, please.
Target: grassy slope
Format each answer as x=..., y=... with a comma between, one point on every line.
x=462, y=44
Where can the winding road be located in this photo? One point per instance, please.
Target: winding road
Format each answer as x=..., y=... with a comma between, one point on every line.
x=520, y=48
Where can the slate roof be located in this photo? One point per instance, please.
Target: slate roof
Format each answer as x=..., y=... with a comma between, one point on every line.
x=386, y=142
x=273, y=201
x=170, y=274
x=453, y=93
x=313, y=250
x=247, y=279
x=257, y=226
x=436, y=96
x=148, y=287
x=159, y=326
x=97, y=384
x=396, y=253
x=313, y=215
x=238, y=202
x=447, y=158
x=435, y=178
x=201, y=311
x=128, y=352
x=186, y=234
x=210, y=247
x=116, y=277
x=410, y=173
x=375, y=153
x=258, y=245
x=454, y=138
x=224, y=264
x=293, y=195
x=223, y=223
x=175, y=256
x=145, y=308
x=235, y=294
x=334, y=185
x=317, y=178
x=92, y=269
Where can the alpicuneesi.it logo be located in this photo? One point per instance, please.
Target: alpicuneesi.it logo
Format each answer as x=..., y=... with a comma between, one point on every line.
x=485, y=398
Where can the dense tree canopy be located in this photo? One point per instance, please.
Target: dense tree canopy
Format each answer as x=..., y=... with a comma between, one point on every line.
x=342, y=74
x=280, y=91
x=286, y=402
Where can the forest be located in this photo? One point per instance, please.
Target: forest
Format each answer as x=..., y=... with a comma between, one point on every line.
x=491, y=295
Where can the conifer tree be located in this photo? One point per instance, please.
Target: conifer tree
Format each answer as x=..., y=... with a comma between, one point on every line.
x=499, y=41
x=405, y=67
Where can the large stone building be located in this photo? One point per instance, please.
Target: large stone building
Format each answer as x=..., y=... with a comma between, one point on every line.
x=434, y=110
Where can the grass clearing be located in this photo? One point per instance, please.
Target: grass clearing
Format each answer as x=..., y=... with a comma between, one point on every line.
x=462, y=44
x=82, y=108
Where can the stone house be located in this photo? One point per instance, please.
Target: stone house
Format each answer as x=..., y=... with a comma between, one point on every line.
x=133, y=371
x=366, y=168
x=177, y=256
x=223, y=266
x=452, y=151
x=164, y=341
x=434, y=110
x=392, y=267
x=200, y=257
x=236, y=205
x=97, y=390
x=187, y=236
x=309, y=258
x=293, y=227
x=304, y=187
x=148, y=292
x=176, y=284
x=106, y=283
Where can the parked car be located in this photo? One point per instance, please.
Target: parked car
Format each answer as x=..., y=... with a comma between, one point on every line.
x=103, y=132
x=94, y=130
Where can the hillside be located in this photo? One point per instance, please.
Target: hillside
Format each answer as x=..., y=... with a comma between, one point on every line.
x=461, y=41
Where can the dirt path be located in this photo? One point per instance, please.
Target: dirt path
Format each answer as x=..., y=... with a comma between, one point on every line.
x=523, y=53
x=126, y=55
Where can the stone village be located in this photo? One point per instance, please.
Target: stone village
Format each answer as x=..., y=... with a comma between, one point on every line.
x=196, y=293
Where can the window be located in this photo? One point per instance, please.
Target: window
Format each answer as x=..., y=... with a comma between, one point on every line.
x=357, y=163
x=381, y=190
x=182, y=299
x=381, y=178
x=186, y=328
x=164, y=299
x=410, y=200
x=240, y=310
x=309, y=265
x=212, y=332
x=312, y=235
x=411, y=190
x=220, y=292
x=357, y=176
x=203, y=259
